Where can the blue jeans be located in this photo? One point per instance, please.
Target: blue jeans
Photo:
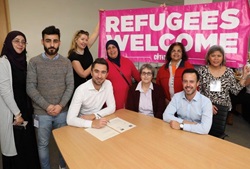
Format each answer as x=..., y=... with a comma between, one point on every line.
x=46, y=124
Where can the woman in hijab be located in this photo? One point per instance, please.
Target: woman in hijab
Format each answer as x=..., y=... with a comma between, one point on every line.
x=121, y=72
x=18, y=143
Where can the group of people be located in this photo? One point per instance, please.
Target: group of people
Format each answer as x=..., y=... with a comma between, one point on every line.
x=52, y=91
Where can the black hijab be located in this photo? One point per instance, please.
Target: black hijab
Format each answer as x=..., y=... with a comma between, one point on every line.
x=117, y=59
x=15, y=59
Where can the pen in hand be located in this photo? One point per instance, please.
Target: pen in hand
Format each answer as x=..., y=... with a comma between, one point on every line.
x=101, y=117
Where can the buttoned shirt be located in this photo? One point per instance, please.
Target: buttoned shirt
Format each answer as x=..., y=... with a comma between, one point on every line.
x=87, y=100
x=145, y=102
x=198, y=110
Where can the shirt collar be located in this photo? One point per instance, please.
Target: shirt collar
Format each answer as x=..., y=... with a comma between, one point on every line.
x=177, y=65
x=196, y=97
x=139, y=86
x=91, y=86
x=46, y=57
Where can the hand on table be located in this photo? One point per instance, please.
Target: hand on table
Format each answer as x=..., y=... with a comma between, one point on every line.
x=174, y=125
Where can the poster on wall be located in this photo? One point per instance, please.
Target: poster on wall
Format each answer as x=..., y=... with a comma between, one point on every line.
x=145, y=34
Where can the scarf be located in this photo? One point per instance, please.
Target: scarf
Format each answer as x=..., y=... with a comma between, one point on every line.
x=117, y=59
x=15, y=59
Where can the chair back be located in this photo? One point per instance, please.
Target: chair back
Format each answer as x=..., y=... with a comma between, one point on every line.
x=219, y=122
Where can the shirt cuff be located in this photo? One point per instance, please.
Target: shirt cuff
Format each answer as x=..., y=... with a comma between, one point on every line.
x=187, y=127
x=180, y=120
x=88, y=123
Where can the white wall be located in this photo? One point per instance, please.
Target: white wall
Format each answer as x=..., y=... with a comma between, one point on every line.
x=32, y=16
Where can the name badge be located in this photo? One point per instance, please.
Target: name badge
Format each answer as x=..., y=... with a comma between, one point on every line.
x=215, y=86
x=36, y=121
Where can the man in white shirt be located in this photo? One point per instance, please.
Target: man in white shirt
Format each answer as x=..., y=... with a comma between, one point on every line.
x=93, y=99
x=194, y=110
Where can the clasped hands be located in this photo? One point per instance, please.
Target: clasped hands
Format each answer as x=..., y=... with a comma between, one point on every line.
x=54, y=110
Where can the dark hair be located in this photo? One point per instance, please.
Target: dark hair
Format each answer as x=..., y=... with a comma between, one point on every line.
x=100, y=61
x=213, y=49
x=184, y=53
x=147, y=66
x=191, y=71
x=51, y=30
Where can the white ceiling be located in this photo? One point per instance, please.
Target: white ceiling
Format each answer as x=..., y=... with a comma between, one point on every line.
x=175, y=2
x=168, y=2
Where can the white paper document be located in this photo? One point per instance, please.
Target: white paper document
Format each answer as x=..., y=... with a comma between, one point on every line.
x=120, y=125
x=103, y=133
x=113, y=128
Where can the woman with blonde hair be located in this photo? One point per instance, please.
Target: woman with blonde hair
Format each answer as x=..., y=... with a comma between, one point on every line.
x=80, y=56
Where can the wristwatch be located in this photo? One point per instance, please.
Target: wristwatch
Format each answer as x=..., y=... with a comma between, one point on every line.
x=181, y=126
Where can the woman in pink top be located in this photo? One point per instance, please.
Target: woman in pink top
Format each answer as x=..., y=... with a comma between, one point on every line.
x=121, y=72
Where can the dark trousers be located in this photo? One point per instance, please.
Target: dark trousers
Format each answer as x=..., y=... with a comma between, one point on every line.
x=9, y=162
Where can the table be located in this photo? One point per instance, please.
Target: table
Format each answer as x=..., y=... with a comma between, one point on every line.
x=152, y=144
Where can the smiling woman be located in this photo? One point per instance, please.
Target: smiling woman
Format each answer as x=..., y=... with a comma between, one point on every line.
x=18, y=143
x=216, y=82
x=146, y=97
x=169, y=75
x=122, y=70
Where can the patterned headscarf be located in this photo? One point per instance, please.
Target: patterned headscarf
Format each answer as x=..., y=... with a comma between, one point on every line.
x=117, y=59
x=15, y=59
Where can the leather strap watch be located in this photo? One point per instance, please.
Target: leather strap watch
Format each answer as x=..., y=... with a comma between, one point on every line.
x=181, y=126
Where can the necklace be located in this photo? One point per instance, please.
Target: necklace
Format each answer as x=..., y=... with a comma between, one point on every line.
x=80, y=53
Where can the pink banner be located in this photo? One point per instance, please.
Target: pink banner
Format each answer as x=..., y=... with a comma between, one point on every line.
x=145, y=34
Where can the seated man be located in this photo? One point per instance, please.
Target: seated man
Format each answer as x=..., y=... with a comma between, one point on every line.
x=86, y=108
x=194, y=110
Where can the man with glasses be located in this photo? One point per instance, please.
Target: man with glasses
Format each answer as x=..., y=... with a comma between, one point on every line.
x=50, y=85
x=146, y=97
x=93, y=99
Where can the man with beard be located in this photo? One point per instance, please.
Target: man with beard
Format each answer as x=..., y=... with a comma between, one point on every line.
x=50, y=85
x=87, y=106
x=189, y=110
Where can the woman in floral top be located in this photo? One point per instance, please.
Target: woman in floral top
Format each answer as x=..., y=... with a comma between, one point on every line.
x=216, y=82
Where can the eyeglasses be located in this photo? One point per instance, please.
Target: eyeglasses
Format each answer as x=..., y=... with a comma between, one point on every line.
x=146, y=73
x=19, y=42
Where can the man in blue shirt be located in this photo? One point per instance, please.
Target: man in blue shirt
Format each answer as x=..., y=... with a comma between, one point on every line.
x=189, y=110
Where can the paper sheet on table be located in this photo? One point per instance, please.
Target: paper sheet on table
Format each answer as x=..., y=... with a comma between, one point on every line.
x=120, y=125
x=103, y=133
x=113, y=128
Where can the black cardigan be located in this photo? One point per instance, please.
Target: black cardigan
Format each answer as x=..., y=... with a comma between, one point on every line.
x=158, y=99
